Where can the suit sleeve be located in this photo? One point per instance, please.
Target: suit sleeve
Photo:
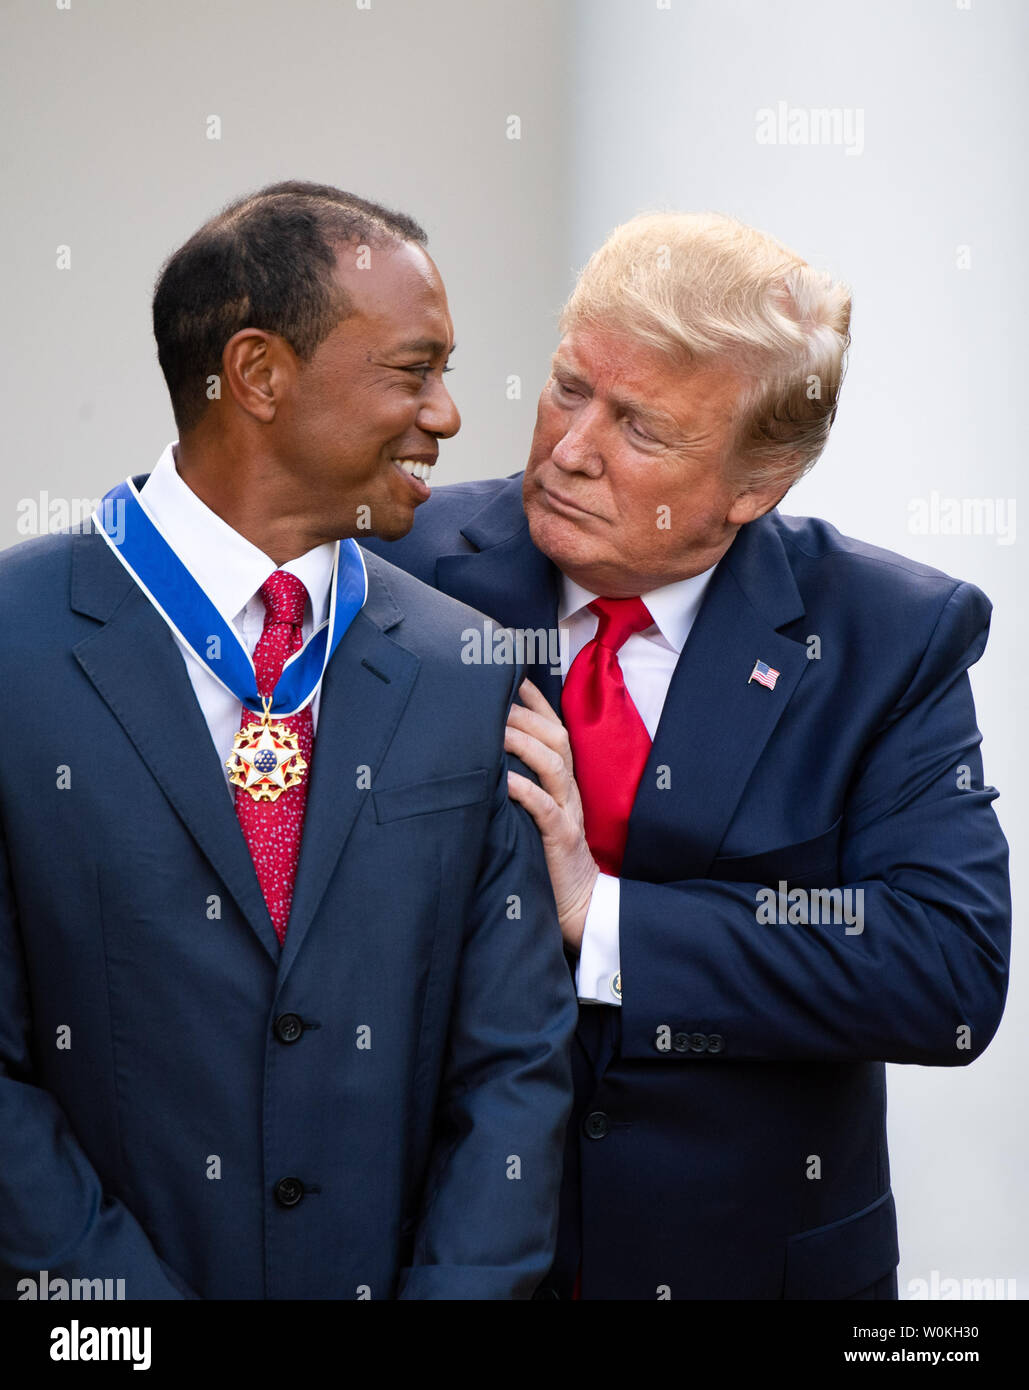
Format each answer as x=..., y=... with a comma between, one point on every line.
x=919, y=977
x=488, y=1223
x=55, y=1214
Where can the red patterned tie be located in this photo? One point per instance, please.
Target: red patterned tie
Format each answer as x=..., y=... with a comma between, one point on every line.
x=273, y=828
x=610, y=743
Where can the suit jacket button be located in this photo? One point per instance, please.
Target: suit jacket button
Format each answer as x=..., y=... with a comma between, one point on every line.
x=698, y=1042
x=716, y=1043
x=288, y=1191
x=595, y=1125
x=680, y=1041
x=288, y=1027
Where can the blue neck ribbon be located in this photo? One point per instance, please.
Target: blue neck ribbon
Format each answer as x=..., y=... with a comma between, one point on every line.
x=139, y=545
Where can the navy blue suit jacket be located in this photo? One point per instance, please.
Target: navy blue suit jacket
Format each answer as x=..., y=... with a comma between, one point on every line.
x=152, y=1095
x=729, y=1136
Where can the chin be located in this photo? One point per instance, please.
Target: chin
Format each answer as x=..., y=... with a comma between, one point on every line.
x=580, y=557
x=393, y=527
x=561, y=540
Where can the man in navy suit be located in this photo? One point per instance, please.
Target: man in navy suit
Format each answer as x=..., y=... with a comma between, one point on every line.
x=774, y=855
x=284, y=1011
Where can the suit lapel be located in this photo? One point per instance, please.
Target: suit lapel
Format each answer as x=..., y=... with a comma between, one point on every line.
x=138, y=671
x=366, y=688
x=508, y=579
x=716, y=722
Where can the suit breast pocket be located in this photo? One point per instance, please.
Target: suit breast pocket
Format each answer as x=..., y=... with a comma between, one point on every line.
x=430, y=798
x=810, y=863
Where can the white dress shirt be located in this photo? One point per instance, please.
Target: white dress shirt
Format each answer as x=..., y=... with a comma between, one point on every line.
x=230, y=570
x=648, y=660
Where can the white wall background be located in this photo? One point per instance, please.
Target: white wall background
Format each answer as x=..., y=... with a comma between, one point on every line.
x=625, y=105
x=103, y=131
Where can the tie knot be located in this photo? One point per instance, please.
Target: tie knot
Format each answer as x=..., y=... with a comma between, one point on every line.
x=284, y=598
x=619, y=619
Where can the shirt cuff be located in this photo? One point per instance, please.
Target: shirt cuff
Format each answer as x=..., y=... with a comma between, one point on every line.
x=598, y=974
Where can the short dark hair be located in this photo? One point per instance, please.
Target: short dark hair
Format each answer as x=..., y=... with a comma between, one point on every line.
x=265, y=261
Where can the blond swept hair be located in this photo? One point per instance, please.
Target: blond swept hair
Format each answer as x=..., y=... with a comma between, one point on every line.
x=710, y=290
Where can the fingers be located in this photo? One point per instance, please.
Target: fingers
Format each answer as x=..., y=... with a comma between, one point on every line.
x=535, y=700
x=572, y=869
x=539, y=804
x=548, y=764
x=550, y=732
x=537, y=719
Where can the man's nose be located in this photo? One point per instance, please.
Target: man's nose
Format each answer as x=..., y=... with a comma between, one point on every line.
x=576, y=451
x=439, y=415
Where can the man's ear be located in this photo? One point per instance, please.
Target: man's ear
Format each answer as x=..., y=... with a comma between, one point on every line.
x=752, y=502
x=257, y=371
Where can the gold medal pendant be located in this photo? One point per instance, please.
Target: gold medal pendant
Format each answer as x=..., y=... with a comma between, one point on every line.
x=266, y=758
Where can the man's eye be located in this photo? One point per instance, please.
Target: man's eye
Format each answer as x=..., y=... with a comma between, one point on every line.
x=563, y=389
x=641, y=434
x=423, y=369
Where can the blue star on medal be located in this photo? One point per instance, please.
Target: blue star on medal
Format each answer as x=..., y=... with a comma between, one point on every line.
x=266, y=759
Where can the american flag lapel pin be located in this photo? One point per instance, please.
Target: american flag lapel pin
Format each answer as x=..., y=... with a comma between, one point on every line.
x=764, y=674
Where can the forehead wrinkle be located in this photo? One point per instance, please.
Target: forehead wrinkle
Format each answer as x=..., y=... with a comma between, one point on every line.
x=685, y=426
x=424, y=345
x=433, y=346
x=628, y=404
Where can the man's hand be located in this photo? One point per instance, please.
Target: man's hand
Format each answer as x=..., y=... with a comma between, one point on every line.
x=536, y=735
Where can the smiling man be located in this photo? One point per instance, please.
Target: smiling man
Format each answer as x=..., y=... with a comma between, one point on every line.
x=290, y=1017
x=775, y=858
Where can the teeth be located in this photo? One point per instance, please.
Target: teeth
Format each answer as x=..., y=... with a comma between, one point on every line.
x=416, y=469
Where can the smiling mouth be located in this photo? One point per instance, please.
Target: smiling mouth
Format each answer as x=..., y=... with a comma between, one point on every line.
x=416, y=471
x=416, y=467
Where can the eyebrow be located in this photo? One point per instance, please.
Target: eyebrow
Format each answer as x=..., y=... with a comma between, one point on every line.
x=623, y=403
x=432, y=346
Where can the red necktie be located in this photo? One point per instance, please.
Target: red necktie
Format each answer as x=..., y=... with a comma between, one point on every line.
x=610, y=743
x=273, y=828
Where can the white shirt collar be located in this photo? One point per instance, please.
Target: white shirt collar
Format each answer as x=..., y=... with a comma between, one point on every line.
x=673, y=607
x=228, y=568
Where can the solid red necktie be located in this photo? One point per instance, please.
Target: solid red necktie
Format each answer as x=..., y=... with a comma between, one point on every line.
x=272, y=829
x=610, y=743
